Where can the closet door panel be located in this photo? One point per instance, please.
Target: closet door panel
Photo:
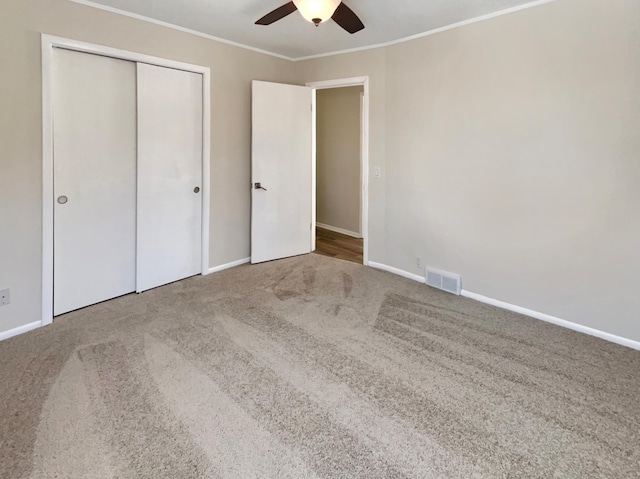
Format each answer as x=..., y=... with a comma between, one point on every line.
x=94, y=132
x=169, y=175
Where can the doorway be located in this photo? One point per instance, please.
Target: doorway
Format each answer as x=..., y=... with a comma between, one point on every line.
x=341, y=168
x=338, y=176
x=283, y=184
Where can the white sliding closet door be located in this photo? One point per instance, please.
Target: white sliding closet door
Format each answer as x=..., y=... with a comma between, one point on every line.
x=94, y=131
x=169, y=175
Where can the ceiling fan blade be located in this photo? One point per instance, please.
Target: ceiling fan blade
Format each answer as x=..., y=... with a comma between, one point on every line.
x=348, y=20
x=278, y=14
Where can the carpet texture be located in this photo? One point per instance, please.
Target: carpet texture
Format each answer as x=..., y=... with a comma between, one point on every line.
x=313, y=367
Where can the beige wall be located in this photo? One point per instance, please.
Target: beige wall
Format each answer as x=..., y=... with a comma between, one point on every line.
x=515, y=146
x=511, y=156
x=232, y=69
x=508, y=148
x=338, y=157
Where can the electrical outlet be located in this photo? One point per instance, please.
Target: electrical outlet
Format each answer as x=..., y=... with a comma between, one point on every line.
x=5, y=297
x=418, y=261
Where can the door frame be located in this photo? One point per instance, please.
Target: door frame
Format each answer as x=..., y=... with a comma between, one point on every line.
x=364, y=156
x=48, y=43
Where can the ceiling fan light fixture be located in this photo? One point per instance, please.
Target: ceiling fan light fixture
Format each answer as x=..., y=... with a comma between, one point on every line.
x=316, y=11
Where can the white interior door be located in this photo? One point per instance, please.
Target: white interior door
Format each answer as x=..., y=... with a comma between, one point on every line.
x=281, y=159
x=169, y=245
x=94, y=118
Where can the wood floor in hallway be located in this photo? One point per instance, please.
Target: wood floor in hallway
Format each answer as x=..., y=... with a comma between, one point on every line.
x=337, y=245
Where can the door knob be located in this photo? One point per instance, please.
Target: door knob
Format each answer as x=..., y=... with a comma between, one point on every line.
x=62, y=199
x=196, y=189
x=258, y=186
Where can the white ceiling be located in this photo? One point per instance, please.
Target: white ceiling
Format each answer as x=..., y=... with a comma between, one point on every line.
x=293, y=37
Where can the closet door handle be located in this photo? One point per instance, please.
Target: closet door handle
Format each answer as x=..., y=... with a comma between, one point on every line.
x=62, y=199
x=196, y=189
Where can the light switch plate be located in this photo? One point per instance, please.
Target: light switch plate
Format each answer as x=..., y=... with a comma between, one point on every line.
x=376, y=172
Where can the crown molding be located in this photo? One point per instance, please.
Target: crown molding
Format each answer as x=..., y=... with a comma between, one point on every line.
x=453, y=26
x=88, y=3
x=428, y=32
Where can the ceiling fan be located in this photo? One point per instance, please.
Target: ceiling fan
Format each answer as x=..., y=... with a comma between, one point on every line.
x=317, y=11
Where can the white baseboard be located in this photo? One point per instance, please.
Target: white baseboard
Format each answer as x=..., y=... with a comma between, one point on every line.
x=399, y=272
x=233, y=264
x=338, y=230
x=630, y=343
x=31, y=326
x=20, y=330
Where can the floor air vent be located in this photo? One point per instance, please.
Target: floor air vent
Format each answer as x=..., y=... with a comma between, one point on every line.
x=448, y=282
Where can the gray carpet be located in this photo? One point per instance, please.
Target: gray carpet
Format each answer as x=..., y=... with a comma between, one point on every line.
x=313, y=367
